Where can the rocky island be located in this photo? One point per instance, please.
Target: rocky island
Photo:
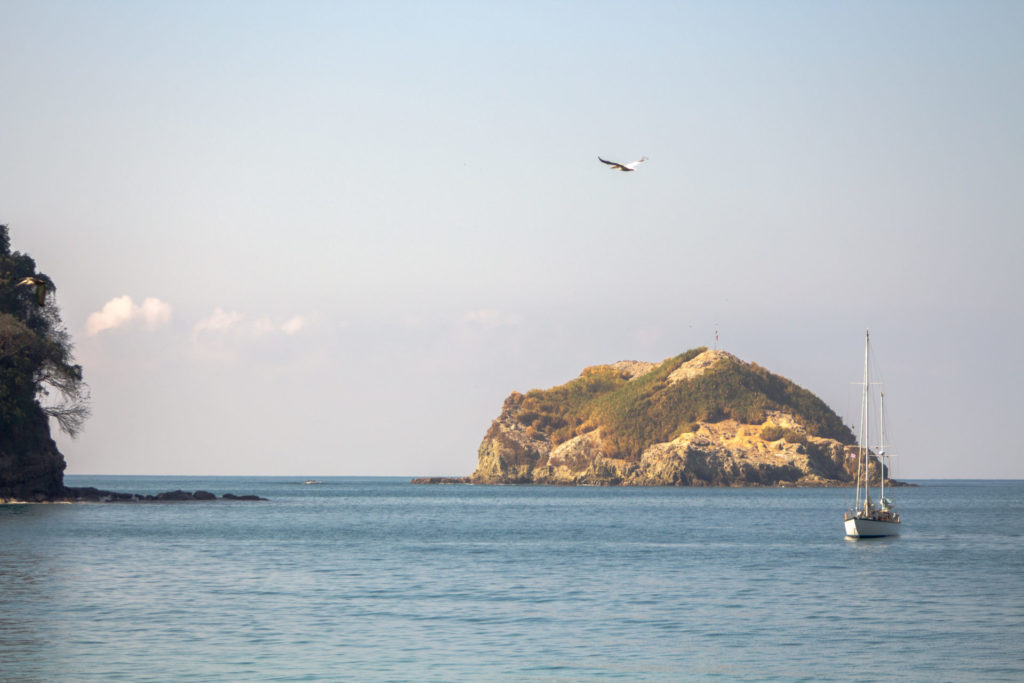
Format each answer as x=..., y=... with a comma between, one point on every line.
x=702, y=418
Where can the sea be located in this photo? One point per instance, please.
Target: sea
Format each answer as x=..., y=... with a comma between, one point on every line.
x=366, y=579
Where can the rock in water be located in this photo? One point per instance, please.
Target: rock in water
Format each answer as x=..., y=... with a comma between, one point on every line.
x=703, y=418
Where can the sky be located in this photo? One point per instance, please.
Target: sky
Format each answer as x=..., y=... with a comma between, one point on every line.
x=329, y=238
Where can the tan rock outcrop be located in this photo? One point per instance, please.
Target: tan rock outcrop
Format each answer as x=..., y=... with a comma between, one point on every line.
x=778, y=451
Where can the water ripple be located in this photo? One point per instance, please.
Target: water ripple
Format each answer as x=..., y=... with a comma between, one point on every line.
x=378, y=579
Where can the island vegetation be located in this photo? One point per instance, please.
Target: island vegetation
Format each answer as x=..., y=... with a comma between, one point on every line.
x=636, y=412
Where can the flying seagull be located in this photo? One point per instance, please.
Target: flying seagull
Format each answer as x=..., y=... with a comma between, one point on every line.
x=631, y=166
x=41, y=286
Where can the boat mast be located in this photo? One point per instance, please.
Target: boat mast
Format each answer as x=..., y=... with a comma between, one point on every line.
x=864, y=432
x=881, y=443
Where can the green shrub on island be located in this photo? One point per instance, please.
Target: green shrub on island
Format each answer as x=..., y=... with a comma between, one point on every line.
x=634, y=414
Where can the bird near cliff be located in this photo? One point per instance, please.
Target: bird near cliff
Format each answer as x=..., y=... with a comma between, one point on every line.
x=631, y=166
x=41, y=286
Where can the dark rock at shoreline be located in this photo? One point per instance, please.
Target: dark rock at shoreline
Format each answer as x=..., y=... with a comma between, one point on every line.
x=91, y=494
x=441, y=480
x=174, y=495
x=31, y=467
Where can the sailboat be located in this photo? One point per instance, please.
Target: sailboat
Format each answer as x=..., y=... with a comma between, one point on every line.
x=868, y=519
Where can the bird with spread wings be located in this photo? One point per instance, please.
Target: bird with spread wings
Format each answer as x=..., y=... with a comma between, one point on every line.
x=631, y=166
x=41, y=285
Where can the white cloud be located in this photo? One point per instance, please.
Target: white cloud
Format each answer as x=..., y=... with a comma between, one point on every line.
x=154, y=313
x=235, y=324
x=218, y=321
x=294, y=325
x=121, y=311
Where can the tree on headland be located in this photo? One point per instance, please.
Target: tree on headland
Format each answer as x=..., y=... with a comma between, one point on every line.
x=37, y=368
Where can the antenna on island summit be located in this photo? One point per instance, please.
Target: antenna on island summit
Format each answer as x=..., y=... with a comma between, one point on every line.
x=716, y=339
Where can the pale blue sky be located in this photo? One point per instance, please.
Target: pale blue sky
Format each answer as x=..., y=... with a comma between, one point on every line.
x=361, y=225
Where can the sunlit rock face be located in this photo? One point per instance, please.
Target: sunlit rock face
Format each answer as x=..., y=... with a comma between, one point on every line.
x=704, y=418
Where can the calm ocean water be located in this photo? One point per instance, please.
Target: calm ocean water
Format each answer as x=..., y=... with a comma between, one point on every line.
x=378, y=579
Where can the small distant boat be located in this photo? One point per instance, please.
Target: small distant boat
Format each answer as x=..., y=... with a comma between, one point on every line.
x=312, y=481
x=868, y=519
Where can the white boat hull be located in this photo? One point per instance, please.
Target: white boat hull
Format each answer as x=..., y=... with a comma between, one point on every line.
x=871, y=528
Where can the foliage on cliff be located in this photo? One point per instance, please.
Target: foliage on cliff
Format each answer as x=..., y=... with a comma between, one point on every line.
x=38, y=374
x=633, y=413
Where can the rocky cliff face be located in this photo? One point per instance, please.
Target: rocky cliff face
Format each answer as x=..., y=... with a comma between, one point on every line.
x=31, y=467
x=584, y=444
